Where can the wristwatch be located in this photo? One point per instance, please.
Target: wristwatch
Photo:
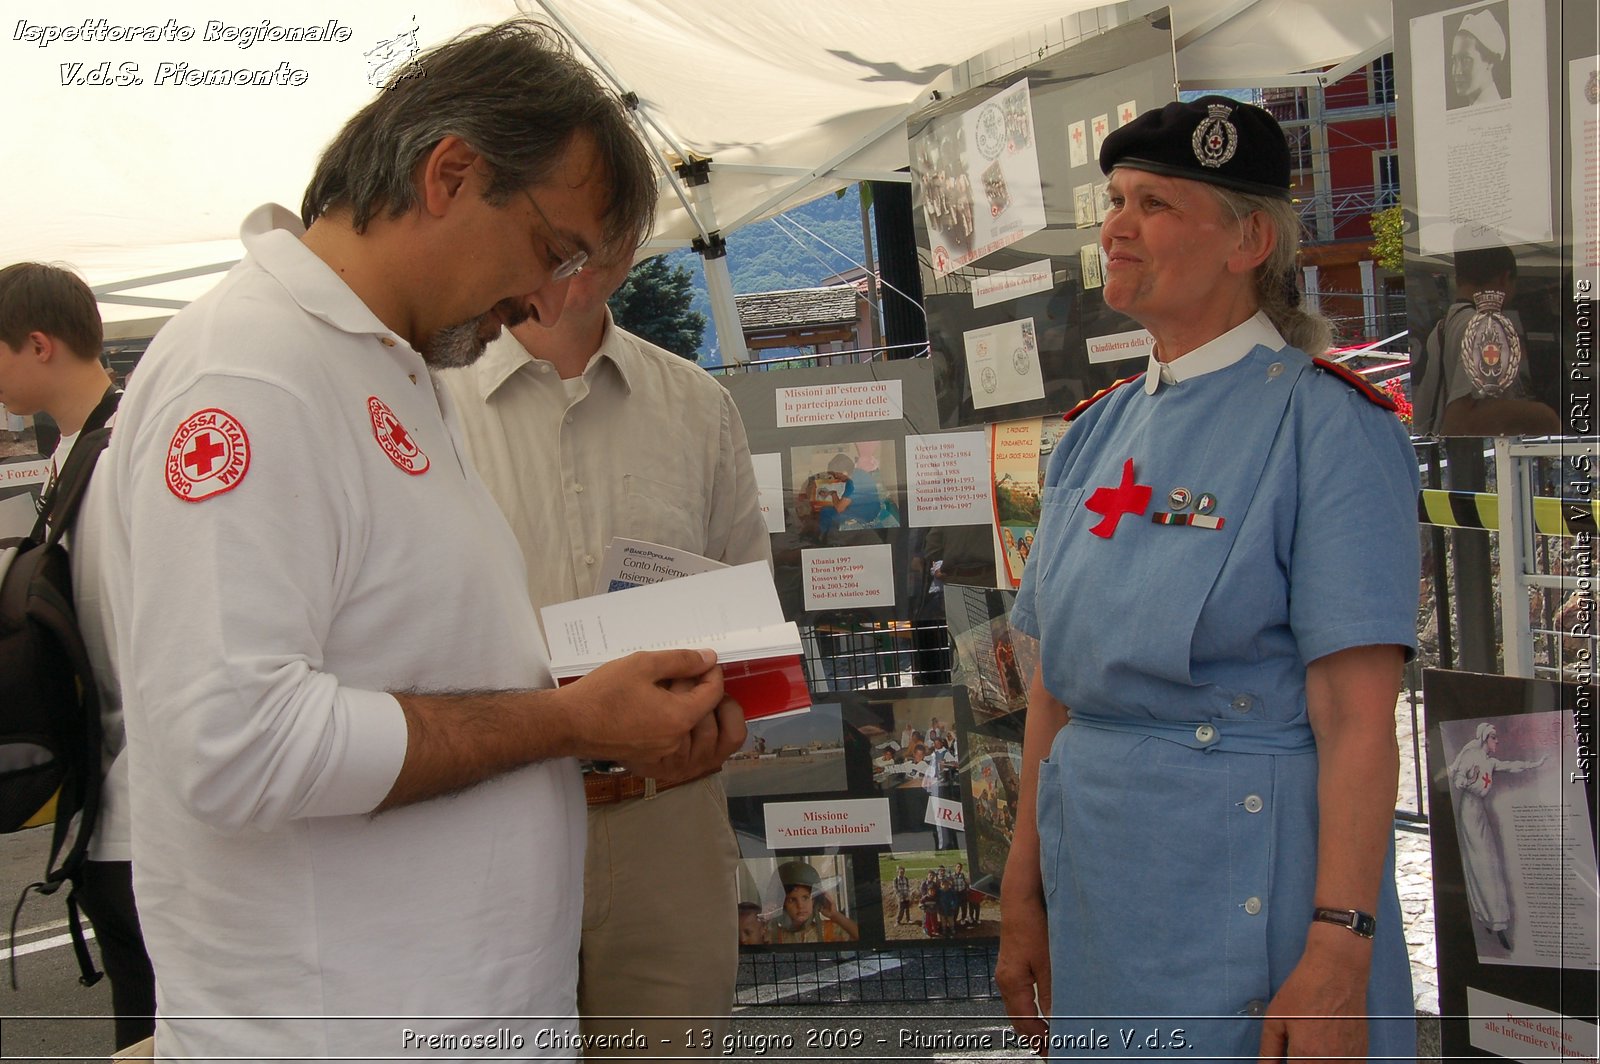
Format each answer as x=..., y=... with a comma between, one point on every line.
x=1363, y=924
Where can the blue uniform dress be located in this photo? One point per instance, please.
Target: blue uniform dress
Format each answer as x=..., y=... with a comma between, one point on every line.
x=1177, y=811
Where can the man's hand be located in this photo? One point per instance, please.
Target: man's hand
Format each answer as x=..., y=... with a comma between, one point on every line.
x=653, y=707
x=711, y=742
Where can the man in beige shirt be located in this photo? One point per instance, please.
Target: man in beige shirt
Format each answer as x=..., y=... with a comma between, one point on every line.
x=584, y=432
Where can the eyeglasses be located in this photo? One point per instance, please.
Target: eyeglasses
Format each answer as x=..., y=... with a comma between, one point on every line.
x=574, y=258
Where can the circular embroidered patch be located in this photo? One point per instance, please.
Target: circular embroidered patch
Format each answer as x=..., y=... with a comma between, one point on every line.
x=394, y=439
x=208, y=455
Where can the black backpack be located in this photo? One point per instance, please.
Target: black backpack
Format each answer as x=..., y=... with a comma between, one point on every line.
x=50, y=735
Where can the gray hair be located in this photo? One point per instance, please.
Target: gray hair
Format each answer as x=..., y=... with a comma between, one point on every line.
x=1276, y=292
x=517, y=95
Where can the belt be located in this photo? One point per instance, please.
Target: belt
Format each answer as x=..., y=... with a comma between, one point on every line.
x=1233, y=736
x=607, y=788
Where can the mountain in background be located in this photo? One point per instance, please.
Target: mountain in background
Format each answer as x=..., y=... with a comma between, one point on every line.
x=779, y=254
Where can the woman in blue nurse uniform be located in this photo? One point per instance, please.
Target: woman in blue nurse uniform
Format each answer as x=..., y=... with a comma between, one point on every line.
x=1224, y=590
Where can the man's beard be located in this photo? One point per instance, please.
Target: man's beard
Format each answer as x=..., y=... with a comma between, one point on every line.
x=461, y=345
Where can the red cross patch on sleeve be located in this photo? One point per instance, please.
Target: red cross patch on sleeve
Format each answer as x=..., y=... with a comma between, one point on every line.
x=208, y=455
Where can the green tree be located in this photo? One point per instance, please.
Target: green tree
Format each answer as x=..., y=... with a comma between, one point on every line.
x=654, y=302
x=1387, y=251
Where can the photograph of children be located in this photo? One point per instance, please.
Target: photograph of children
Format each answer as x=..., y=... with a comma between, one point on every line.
x=796, y=900
x=930, y=896
x=846, y=487
x=802, y=754
x=915, y=755
x=1512, y=804
x=991, y=780
x=993, y=666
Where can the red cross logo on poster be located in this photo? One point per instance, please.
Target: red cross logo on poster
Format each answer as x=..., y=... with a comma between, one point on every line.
x=394, y=439
x=209, y=454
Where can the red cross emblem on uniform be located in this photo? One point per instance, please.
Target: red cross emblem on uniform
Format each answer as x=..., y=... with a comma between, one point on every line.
x=1111, y=503
x=209, y=454
x=394, y=439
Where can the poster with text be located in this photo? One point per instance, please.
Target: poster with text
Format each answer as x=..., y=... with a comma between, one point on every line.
x=979, y=176
x=1480, y=111
x=1512, y=816
x=1003, y=363
x=948, y=482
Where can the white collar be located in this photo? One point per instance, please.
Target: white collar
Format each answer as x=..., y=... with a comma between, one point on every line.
x=1224, y=351
x=272, y=236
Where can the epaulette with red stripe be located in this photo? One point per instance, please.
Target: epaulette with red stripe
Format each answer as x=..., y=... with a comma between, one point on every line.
x=1097, y=396
x=1371, y=392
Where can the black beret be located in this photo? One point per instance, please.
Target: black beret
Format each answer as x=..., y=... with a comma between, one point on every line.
x=1213, y=139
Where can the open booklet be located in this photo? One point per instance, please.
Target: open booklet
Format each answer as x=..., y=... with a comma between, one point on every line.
x=731, y=610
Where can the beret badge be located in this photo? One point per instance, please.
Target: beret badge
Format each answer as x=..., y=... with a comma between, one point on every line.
x=1215, y=138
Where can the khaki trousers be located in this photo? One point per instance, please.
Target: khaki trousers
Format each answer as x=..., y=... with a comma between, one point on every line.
x=660, y=922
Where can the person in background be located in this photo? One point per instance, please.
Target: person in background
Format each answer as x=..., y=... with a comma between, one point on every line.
x=50, y=340
x=585, y=433
x=1224, y=592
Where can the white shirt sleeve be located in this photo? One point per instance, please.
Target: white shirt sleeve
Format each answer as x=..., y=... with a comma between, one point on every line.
x=234, y=597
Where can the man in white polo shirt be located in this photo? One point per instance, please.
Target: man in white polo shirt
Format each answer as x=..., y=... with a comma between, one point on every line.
x=321, y=614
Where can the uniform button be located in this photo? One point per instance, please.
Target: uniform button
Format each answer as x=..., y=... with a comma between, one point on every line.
x=1253, y=804
x=568, y=419
x=1252, y=905
x=1242, y=703
x=1275, y=370
x=1256, y=1008
x=588, y=559
x=386, y=341
x=1206, y=733
x=578, y=488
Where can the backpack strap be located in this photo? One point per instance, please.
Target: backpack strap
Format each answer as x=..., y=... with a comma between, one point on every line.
x=61, y=506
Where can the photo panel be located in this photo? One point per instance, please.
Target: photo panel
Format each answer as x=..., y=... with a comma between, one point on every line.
x=929, y=897
x=799, y=754
x=991, y=786
x=994, y=667
x=798, y=901
x=916, y=755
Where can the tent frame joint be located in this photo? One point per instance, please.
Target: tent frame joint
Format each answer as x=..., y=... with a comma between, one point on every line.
x=714, y=247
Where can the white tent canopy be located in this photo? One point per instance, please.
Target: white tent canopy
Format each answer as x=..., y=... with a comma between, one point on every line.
x=790, y=99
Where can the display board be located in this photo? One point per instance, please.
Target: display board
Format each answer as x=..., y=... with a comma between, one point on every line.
x=1513, y=817
x=1007, y=197
x=1498, y=131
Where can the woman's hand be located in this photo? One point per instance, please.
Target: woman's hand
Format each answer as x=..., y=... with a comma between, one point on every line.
x=1321, y=1010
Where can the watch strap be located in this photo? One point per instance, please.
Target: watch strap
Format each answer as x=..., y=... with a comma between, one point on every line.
x=1356, y=921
